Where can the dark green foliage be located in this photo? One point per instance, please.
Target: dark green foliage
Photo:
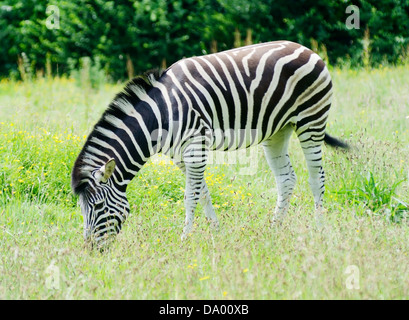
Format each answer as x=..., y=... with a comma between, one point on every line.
x=127, y=37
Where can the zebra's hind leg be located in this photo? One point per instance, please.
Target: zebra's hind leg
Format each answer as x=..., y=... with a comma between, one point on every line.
x=311, y=144
x=275, y=150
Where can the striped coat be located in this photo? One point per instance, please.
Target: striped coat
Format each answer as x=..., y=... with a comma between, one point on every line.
x=234, y=99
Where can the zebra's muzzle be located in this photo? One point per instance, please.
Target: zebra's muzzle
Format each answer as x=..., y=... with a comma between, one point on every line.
x=101, y=236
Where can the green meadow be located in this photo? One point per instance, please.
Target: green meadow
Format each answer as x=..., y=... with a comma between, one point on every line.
x=361, y=251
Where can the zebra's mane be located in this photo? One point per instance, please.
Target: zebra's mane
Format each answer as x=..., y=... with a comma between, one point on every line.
x=83, y=166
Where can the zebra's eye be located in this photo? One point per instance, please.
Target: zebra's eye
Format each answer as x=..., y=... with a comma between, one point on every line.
x=98, y=206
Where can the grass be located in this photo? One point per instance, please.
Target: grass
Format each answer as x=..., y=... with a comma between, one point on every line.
x=43, y=124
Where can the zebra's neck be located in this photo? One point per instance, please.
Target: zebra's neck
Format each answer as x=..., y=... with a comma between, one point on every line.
x=130, y=131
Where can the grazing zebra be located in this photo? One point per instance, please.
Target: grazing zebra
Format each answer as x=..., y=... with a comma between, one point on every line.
x=223, y=101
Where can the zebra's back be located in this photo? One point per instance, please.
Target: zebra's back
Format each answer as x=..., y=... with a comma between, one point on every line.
x=245, y=95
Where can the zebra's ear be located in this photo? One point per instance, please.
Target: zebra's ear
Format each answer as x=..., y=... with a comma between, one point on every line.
x=106, y=171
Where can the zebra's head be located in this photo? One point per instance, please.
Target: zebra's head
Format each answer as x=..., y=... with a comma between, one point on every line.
x=104, y=207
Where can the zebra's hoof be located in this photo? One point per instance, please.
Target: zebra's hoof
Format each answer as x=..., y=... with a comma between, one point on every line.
x=276, y=221
x=184, y=236
x=320, y=222
x=215, y=225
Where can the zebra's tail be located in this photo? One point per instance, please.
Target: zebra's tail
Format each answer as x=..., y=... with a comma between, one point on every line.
x=334, y=142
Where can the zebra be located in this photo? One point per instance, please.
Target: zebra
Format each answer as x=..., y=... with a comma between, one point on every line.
x=230, y=100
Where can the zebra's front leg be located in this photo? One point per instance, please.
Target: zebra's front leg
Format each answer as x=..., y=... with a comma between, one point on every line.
x=191, y=199
x=195, y=185
x=316, y=179
x=192, y=196
x=190, y=202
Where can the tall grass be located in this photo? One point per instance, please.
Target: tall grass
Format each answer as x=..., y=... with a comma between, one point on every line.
x=41, y=245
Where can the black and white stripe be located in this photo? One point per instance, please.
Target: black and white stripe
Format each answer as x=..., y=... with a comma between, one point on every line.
x=223, y=101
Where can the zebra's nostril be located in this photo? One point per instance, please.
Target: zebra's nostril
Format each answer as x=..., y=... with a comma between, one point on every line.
x=102, y=241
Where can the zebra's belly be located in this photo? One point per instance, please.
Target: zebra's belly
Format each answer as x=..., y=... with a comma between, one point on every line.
x=235, y=139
